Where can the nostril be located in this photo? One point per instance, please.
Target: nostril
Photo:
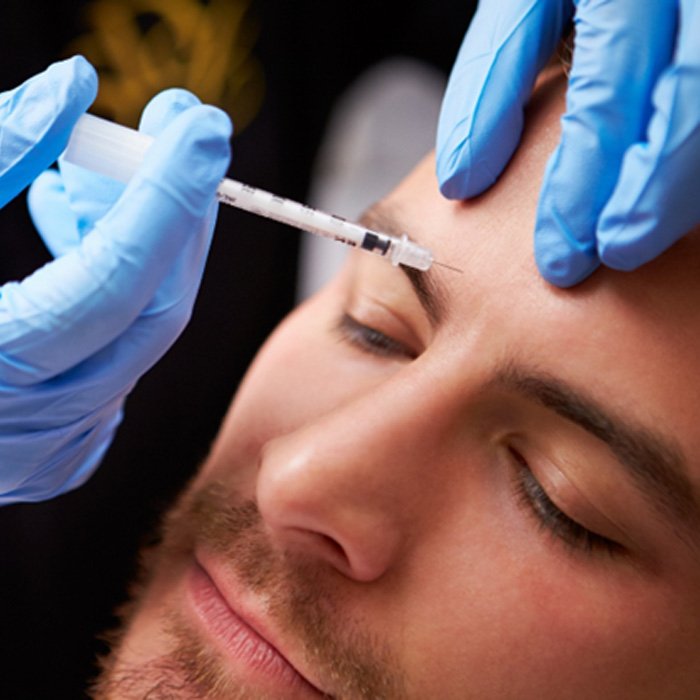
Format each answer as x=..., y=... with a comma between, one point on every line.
x=331, y=543
x=326, y=547
x=336, y=548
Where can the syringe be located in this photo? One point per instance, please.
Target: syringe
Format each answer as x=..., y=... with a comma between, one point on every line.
x=116, y=151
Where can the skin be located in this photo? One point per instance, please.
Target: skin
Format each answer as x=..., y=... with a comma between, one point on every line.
x=387, y=483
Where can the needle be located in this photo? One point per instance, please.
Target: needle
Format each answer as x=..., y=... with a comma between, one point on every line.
x=449, y=267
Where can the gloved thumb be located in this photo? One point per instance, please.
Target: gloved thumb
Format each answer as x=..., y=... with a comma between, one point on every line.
x=37, y=118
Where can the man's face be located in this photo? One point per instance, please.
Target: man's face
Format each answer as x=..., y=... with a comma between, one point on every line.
x=447, y=485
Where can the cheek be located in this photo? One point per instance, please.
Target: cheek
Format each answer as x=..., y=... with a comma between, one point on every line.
x=504, y=610
x=510, y=617
x=616, y=633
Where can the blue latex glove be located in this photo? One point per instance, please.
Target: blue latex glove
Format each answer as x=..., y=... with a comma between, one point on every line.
x=77, y=334
x=622, y=186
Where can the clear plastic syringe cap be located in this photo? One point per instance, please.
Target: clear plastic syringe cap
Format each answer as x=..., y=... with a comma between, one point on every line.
x=405, y=252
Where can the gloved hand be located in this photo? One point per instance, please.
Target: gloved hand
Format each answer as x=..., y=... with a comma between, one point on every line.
x=77, y=334
x=622, y=185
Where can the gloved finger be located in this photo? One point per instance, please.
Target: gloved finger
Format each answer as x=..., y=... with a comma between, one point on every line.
x=51, y=213
x=164, y=107
x=616, y=63
x=92, y=195
x=36, y=119
x=81, y=302
x=481, y=118
x=180, y=286
x=68, y=453
x=656, y=198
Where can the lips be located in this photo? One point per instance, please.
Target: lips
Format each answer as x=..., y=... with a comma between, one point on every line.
x=242, y=637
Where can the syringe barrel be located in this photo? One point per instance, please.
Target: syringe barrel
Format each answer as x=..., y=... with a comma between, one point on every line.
x=286, y=211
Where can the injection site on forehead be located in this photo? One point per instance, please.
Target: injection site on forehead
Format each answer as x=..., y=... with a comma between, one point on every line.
x=425, y=283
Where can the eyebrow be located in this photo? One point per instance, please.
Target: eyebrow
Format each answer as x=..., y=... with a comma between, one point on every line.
x=426, y=286
x=654, y=461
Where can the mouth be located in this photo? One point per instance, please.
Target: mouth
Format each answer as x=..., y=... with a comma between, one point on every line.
x=243, y=637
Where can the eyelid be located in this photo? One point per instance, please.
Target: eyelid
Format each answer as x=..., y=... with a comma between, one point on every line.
x=386, y=317
x=371, y=340
x=533, y=495
x=559, y=487
x=374, y=285
x=560, y=463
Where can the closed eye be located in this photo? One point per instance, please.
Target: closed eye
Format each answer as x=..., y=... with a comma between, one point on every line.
x=531, y=495
x=371, y=340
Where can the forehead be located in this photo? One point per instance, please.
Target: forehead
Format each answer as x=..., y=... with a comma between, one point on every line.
x=632, y=337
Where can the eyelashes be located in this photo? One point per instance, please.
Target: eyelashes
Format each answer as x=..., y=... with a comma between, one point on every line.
x=531, y=496
x=371, y=340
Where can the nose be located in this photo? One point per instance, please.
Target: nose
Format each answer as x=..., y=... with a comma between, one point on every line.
x=349, y=487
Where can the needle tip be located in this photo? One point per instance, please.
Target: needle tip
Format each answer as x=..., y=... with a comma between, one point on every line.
x=449, y=267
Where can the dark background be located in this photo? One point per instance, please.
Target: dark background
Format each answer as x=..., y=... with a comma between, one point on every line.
x=65, y=562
